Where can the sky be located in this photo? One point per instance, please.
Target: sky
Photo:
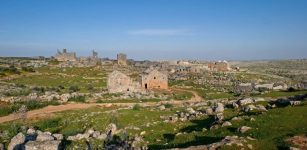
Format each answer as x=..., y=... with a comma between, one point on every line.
x=156, y=29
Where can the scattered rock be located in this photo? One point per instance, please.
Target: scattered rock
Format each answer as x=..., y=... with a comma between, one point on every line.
x=218, y=118
x=259, y=99
x=96, y=134
x=243, y=129
x=17, y=141
x=226, y=124
x=295, y=103
x=143, y=133
x=235, y=105
x=102, y=136
x=261, y=108
x=236, y=118
x=219, y=108
x=42, y=145
x=250, y=146
x=245, y=101
x=209, y=111
x=31, y=131
x=90, y=131
x=112, y=127
x=191, y=110
x=161, y=107
x=44, y=137
x=58, y=136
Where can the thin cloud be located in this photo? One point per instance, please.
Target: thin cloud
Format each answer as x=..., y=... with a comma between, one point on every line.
x=160, y=32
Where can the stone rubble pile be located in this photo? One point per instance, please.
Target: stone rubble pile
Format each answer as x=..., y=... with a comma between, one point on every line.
x=36, y=139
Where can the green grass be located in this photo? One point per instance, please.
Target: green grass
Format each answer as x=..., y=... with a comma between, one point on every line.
x=270, y=128
x=66, y=77
x=32, y=104
x=182, y=95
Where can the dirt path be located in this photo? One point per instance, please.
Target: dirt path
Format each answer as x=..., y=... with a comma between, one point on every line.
x=195, y=96
x=49, y=110
x=46, y=111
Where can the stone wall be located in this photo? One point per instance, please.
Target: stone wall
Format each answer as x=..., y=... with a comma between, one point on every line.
x=155, y=80
x=122, y=59
x=120, y=83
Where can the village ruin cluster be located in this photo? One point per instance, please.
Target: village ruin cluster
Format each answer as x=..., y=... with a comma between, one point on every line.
x=121, y=103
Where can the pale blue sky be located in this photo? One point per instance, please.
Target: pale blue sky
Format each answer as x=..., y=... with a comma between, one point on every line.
x=156, y=29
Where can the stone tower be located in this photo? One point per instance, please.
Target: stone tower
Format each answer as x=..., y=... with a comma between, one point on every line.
x=122, y=59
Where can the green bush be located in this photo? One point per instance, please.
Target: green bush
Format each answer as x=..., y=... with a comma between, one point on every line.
x=23, y=92
x=136, y=107
x=27, y=69
x=74, y=88
x=168, y=105
x=39, y=89
x=77, y=99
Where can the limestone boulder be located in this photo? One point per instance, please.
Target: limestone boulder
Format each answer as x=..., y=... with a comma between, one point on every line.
x=58, y=136
x=17, y=142
x=243, y=129
x=245, y=101
x=226, y=124
x=44, y=137
x=43, y=145
x=219, y=108
x=209, y=111
x=31, y=131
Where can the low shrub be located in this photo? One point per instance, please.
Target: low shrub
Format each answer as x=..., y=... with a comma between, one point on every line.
x=136, y=107
x=77, y=99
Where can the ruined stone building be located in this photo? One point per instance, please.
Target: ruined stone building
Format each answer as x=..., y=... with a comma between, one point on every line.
x=182, y=69
x=118, y=82
x=154, y=79
x=65, y=56
x=219, y=66
x=122, y=59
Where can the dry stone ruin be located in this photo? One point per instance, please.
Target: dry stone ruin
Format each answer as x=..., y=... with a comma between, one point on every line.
x=119, y=82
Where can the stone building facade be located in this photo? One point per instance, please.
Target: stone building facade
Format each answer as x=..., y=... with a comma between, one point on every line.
x=65, y=56
x=118, y=82
x=154, y=79
x=122, y=59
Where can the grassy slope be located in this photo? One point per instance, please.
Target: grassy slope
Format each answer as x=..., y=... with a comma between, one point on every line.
x=54, y=77
x=270, y=128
